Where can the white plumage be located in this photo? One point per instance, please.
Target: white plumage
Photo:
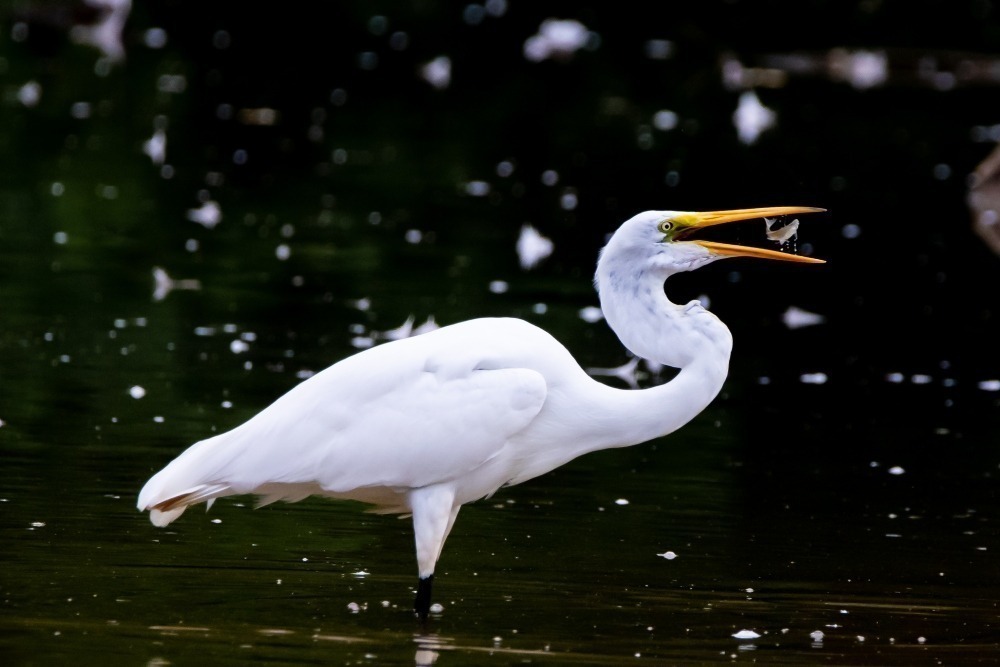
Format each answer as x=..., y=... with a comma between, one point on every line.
x=423, y=425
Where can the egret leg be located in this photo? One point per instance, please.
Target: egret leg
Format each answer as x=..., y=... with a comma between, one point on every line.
x=422, y=603
x=433, y=516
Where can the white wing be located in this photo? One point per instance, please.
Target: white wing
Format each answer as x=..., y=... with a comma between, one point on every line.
x=406, y=414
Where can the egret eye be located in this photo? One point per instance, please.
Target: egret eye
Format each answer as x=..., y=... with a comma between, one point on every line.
x=666, y=226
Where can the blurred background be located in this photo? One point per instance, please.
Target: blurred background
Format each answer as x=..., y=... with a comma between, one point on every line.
x=202, y=205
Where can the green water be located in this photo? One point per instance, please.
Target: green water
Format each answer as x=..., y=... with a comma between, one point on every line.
x=863, y=507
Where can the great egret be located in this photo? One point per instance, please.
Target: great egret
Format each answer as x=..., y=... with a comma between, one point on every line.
x=423, y=425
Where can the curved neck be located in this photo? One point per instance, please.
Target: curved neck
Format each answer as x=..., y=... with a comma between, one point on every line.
x=651, y=326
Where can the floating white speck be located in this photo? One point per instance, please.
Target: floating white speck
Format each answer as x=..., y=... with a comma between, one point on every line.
x=746, y=634
x=413, y=236
x=158, y=419
x=591, y=314
x=896, y=470
x=360, y=574
x=621, y=501
x=860, y=638
x=437, y=72
x=402, y=331
x=813, y=378
x=817, y=635
x=105, y=33
x=558, y=39
x=429, y=325
x=156, y=147
x=155, y=38
x=989, y=385
x=796, y=318
x=920, y=378
x=238, y=346
x=894, y=378
x=669, y=555
x=208, y=214
x=627, y=372
x=353, y=607
x=664, y=120
x=136, y=392
x=862, y=69
x=436, y=608
x=362, y=342
x=30, y=94
x=477, y=188
x=752, y=118
x=498, y=286
x=216, y=520
x=282, y=252
x=61, y=238
x=38, y=524
x=163, y=284
x=532, y=247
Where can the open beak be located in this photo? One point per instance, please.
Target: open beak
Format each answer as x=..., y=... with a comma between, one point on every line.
x=709, y=218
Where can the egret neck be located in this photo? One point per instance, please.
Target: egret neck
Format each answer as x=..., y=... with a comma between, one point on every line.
x=686, y=337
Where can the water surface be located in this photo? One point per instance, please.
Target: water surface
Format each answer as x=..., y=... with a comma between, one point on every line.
x=838, y=499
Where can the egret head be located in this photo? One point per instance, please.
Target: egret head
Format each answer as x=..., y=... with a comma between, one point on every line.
x=664, y=239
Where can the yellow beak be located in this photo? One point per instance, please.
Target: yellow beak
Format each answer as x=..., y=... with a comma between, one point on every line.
x=709, y=218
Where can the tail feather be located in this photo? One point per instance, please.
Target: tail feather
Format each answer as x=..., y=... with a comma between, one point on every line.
x=165, y=511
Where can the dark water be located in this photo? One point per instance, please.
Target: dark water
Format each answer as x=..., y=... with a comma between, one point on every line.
x=844, y=482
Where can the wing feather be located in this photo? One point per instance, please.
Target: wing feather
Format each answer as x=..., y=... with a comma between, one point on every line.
x=406, y=414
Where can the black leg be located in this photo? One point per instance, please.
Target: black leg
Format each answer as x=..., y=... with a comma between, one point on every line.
x=422, y=605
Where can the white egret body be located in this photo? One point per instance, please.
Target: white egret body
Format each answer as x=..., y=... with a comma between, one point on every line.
x=423, y=425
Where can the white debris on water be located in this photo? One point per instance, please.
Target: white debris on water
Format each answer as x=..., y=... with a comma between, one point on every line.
x=591, y=314
x=137, y=392
x=532, y=247
x=437, y=72
x=896, y=470
x=813, y=378
x=208, y=214
x=796, y=318
x=353, y=607
x=752, y=118
x=621, y=501
x=436, y=608
x=557, y=39
x=746, y=634
x=816, y=635
x=627, y=372
x=669, y=555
